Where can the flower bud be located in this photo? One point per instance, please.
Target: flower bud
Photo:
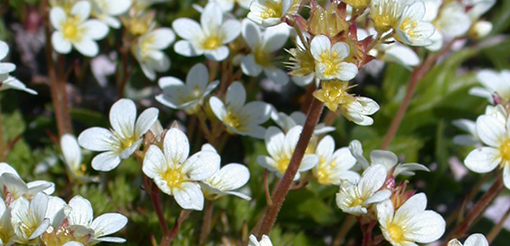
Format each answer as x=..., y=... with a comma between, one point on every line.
x=326, y=22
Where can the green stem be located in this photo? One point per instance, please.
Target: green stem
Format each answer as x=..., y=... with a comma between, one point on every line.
x=283, y=187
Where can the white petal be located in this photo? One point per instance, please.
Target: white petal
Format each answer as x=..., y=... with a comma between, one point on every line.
x=82, y=213
x=41, y=186
x=342, y=49
x=6, y=168
x=402, y=55
x=249, y=66
x=343, y=158
x=217, y=107
x=256, y=112
x=122, y=118
x=476, y=239
x=186, y=48
x=146, y=119
x=232, y=176
x=111, y=239
x=378, y=197
x=211, y=18
x=326, y=148
x=201, y=165
x=81, y=9
x=95, y=29
x=275, y=140
x=230, y=29
x=176, y=146
x=60, y=44
x=491, y=131
x=109, y=223
x=385, y=212
x=308, y=162
x=426, y=227
x=506, y=176
x=251, y=34
x=71, y=151
x=275, y=37
x=187, y=28
x=57, y=16
x=236, y=96
x=219, y=54
x=319, y=44
x=106, y=161
x=254, y=131
x=347, y=71
x=189, y=196
x=276, y=75
x=87, y=47
x=43, y=226
x=154, y=162
x=162, y=37
x=372, y=179
x=197, y=78
x=386, y=158
x=98, y=139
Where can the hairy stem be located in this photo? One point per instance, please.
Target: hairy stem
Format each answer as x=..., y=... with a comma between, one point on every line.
x=55, y=93
x=62, y=78
x=314, y=113
x=477, y=210
x=206, y=223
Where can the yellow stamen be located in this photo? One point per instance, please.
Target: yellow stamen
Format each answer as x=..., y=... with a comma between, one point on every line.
x=396, y=233
x=174, y=177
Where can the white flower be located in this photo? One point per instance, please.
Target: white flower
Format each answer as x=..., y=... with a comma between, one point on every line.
x=385, y=14
x=410, y=223
x=358, y=110
x=494, y=132
x=395, y=52
x=228, y=5
x=223, y=182
x=476, y=239
x=75, y=222
x=478, y=7
x=329, y=60
x=75, y=30
x=270, y=12
x=189, y=96
x=240, y=118
x=334, y=165
x=7, y=237
x=262, y=46
x=177, y=175
x=496, y=84
x=480, y=29
x=72, y=157
x=105, y=10
x=28, y=217
x=209, y=38
x=286, y=122
x=123, y=140
x=6, y=81
x=13, y=187
x=149, y=54
x=355, y=197
x=411, y=29
x=265, y=241
x=280, y=147
x=386, y=158
x=451, y=22
x=468, y=126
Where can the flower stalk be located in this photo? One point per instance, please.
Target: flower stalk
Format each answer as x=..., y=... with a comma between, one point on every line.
x=281, y=191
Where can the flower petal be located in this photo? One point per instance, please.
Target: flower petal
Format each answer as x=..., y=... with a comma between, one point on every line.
x=98, y=139
x=145, y=121
x=122, y=118
x=82, y=213
x=106, y=161
x=176, y=146
x=108, y=223
x=189, y=196
x=60, y=44
x=87, y=47
x=236, y=97
x=154, y=162
x=201, y=165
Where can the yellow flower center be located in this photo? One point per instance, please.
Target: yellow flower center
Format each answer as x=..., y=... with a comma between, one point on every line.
x=233, y=120
x=333, y=93
x=505, y=151
x=126, y=143
x=386, y=15
x=261, y=57
x=146, y=45
x=357, y=3
x=71, y=29
x=211, y=43
x=174, y=177
x=282, y=164
x=273, y=10
x=396, y=233
x=408, y=26
x=332, y=62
